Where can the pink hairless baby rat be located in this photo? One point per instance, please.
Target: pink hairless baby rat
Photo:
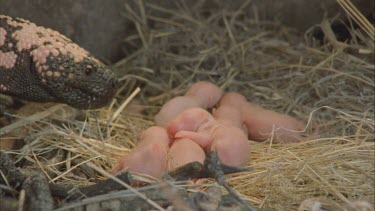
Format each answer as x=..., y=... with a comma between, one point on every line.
x=261, y=123
x=225, y=134
x=149, y=156
x=230, y=137
x=184, y=151
x=202, y=94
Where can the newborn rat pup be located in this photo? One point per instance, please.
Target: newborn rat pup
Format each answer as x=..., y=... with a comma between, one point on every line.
x=230, y=137
x=225, y=134
x=193, y=123
x=202, y=94
x=184, y=151
x=149, y=156
x=261, y=123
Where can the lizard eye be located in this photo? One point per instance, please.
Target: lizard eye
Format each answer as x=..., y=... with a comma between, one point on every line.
x=88, y=69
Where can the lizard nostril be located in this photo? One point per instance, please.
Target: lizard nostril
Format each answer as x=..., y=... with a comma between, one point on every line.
x=114, y=84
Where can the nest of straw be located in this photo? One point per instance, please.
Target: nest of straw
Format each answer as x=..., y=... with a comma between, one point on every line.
x=280, y=68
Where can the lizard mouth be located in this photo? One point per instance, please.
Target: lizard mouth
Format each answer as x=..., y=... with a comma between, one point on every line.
x=90, y=94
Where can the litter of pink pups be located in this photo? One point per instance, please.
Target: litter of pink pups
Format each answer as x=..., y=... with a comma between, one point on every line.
x=186, y=131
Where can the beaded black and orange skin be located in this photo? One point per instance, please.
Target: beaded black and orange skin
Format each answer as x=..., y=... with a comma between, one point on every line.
x=39, y=64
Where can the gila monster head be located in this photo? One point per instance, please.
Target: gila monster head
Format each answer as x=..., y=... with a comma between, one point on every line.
x=40, y=64
x=86, y=84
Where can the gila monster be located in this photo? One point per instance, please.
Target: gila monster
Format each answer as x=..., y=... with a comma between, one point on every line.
x=39, y=64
